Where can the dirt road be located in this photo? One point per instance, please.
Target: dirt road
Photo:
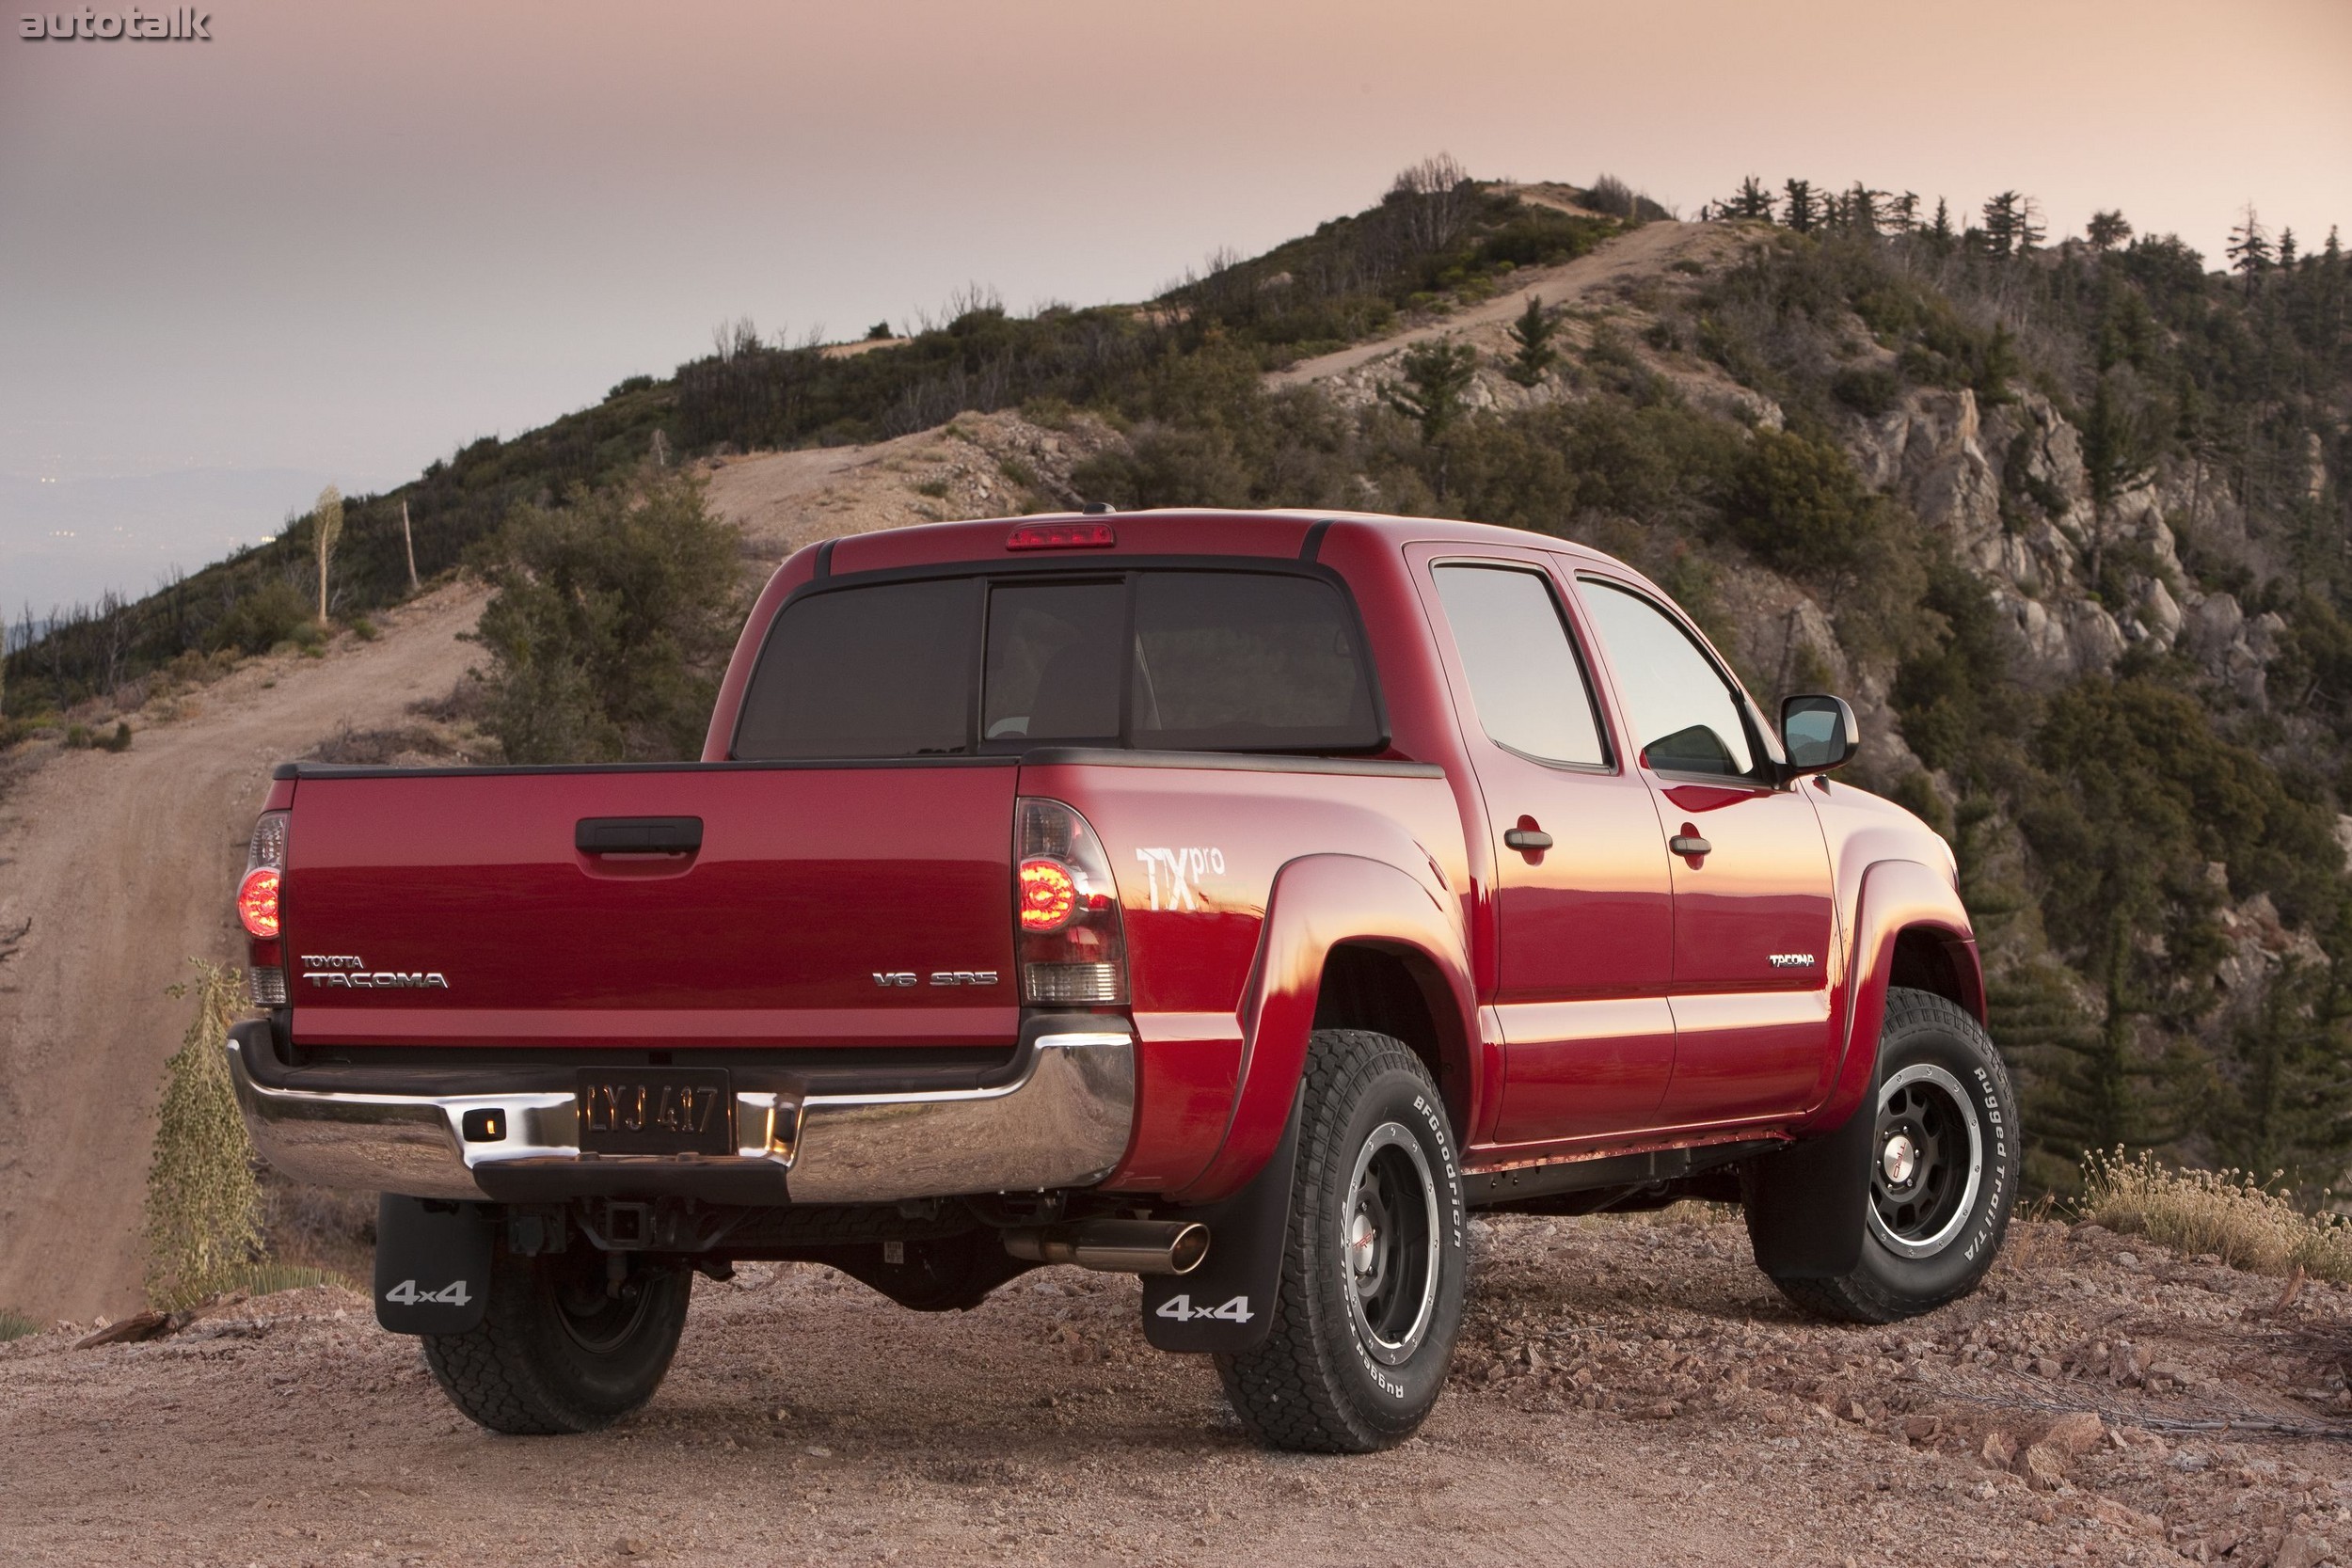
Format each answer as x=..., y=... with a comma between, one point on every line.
x=1644, y=253
x=1628, y=1392
x=125, y=863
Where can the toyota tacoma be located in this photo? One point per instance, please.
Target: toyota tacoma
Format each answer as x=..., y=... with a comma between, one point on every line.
x=1233, y=900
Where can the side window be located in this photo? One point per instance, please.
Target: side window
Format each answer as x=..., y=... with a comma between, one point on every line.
x=1524, y=676
x=1681, y=714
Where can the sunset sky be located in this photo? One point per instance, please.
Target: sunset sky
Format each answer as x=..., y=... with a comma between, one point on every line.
x=338, y=241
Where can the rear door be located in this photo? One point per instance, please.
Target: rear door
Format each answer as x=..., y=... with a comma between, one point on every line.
x=1584, y=933
x=1751, y=897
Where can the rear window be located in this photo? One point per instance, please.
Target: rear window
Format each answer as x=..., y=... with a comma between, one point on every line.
x=879, y=672
x=1175, y=660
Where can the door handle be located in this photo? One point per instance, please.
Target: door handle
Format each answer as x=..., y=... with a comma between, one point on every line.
x=638, y=835
x=1690, y=844
x=1527, y=839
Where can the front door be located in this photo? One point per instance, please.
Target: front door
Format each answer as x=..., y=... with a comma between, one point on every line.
x=1753, y=908
x=1582, y=897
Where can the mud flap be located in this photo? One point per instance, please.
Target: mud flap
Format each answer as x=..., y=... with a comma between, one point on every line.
x=1226, y=1306
x=432, y=1264
x=1806, y=1204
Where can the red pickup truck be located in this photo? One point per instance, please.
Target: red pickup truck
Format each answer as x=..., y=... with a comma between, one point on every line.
x=1233, y=899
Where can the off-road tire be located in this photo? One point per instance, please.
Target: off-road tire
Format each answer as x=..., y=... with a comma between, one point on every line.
x=1324, y=1382
x=533, y=1367
x=1926, y=1030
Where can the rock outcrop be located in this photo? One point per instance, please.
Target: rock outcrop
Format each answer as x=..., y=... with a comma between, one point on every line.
x=2010, y=490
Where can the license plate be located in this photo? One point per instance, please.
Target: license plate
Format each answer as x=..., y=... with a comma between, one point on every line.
x=656, y=1111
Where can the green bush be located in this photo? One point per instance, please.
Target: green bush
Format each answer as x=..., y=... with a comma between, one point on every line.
x=1165, y=466
x=202, y=1201
x=261, y=620
x=15, y=1324
x=1870, y=389
x=119, y=741
x=611, y=622
x=1799, y=504
x=77, y=737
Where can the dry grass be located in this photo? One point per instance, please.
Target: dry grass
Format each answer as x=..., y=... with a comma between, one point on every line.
x=268, y=1278
x=203, y=1207
x=15, y=1325
x=2227, y=1214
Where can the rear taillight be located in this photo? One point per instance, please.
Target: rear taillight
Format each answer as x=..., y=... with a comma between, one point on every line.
x=1072, y=947
x=258, y=900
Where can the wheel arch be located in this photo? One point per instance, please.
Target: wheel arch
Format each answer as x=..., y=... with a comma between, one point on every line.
x=1931, y=958
x=1393, y=938
x=1909, y=930
x=1400, y=991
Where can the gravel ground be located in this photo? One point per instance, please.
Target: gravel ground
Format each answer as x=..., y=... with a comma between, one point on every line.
x=1629, y=1390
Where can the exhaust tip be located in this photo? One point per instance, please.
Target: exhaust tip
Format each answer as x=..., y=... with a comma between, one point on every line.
x=1189, y=1249
x=1116, y=1247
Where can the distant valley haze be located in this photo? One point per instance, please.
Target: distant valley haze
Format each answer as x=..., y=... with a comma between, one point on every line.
x=336, y=243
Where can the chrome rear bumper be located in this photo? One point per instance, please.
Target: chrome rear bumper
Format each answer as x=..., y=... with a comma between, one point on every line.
x=1063, y=1122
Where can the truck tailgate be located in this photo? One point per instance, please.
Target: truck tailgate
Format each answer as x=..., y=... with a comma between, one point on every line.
x=808, y=884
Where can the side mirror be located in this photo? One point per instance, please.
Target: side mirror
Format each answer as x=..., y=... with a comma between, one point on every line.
x=1818, y=732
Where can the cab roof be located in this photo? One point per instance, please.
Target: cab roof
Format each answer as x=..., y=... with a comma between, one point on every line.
x=1175, y=531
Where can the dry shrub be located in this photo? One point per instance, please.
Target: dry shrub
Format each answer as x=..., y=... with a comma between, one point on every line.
x=15, y=1325
x=203, y=1230
x=322, y=1228
x=2227, y=1214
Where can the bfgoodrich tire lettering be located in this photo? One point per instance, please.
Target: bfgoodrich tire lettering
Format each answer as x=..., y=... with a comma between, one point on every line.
x=557, y=1352
x=1374, y=1268
x=1944, y=1103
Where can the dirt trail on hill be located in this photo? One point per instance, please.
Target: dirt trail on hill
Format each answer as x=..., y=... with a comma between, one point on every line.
x=1627, y=1391
x=1646, y=250
x=125, y=863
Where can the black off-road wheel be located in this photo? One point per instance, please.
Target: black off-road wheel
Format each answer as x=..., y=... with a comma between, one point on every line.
x=1374, y=1268
x=558, y=1349
x=1944, y=1158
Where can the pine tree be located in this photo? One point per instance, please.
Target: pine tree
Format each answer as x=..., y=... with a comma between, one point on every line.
x=2002, y=222
x=1437, y=373
x=1754, y=200
x=1533, y=333
x=2031, y=230
x=1903, y=213
x=2116, y=458
x=2286, y=248
x=1864, y=209
x=2106, y=230
x=2334, y=251
x=2289, y=1084
x=2249, y=249
x=1801, y=210
x=1940, y=231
